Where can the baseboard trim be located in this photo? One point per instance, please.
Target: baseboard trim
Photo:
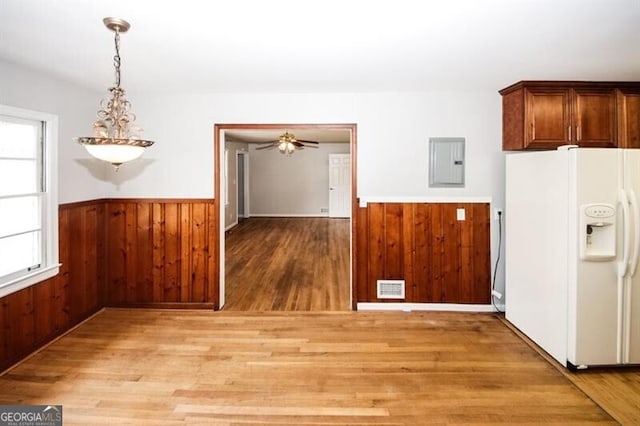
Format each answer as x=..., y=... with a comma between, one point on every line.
x=163, y=305
x=289, y=215
x=408, y=307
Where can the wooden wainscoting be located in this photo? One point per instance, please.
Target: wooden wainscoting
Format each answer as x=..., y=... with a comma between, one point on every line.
x=162, y=253
x=32, y=317
x=441, y=259
x=159, y=253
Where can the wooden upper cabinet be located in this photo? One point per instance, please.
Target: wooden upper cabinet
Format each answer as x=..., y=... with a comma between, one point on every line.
x=628, y=103
x=594, y=118
x=548, y=114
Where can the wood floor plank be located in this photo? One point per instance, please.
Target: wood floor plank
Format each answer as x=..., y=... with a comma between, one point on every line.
x=296, y=368
x=616, y=389
x=287, y=264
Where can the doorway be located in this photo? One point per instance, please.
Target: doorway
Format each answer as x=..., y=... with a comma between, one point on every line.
x=220, y=132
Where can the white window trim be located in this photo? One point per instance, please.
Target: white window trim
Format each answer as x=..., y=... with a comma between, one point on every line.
x=51, y=265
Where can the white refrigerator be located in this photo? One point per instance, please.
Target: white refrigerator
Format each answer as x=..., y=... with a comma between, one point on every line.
x=572, y=243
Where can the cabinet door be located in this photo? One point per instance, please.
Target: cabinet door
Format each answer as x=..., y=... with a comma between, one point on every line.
x=629, y=119
x=546, y=118
x=594, y=118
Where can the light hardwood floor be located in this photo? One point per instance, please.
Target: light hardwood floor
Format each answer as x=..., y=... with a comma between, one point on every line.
x=287, y=264
x=615, y=389
x=296, y=368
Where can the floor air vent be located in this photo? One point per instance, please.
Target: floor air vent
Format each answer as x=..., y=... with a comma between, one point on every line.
x=390, y=289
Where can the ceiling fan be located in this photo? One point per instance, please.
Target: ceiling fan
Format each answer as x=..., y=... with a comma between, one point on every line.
x=288, y=144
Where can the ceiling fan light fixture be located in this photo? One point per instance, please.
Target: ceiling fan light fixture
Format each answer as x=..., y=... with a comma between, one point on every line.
x=287, y=144
x=286, y=147
x=115, y=137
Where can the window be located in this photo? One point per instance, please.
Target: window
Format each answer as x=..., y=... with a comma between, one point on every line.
x=28, y=198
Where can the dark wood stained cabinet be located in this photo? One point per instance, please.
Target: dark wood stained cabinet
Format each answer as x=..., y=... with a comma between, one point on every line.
x=548, y=114
x=628, y=104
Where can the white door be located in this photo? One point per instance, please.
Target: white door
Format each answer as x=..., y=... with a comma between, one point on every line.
x=339, y=185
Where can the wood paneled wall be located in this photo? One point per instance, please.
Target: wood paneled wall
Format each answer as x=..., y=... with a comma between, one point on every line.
x=441, y=259
x=32, y=317
x=157, y=253
x=162, y=253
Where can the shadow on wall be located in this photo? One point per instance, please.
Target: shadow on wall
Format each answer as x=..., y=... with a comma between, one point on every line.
x=106, y=173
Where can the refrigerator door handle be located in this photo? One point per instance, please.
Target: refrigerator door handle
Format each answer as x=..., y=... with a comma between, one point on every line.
x=636, y=232
x=623, y=267
x=626, y=240
x=626, y=297
x=619, y=321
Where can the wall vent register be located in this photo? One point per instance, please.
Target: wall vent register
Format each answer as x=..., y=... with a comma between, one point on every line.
x=390, y=289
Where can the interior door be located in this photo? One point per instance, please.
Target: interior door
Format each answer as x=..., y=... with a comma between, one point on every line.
x=339, y=185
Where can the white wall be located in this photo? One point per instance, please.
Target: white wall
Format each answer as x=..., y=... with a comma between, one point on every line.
x=180, y=164
x=79, y=177
x=296, y=185
x=393, y=142
x=393, y=131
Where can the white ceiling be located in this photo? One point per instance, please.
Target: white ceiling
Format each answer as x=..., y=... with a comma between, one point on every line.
x=325, y=45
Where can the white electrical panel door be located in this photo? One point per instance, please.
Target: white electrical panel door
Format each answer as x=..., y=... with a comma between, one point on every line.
x=446, y=162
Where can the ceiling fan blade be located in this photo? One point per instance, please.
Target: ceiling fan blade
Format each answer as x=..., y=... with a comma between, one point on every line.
x=311, y=146
x=297, y=143
x=265, y=147
x=304, y=141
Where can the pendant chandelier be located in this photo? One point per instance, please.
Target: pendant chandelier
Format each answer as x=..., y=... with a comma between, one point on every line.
x=116, y=137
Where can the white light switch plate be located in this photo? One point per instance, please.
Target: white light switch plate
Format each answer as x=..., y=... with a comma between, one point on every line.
x=460, y=214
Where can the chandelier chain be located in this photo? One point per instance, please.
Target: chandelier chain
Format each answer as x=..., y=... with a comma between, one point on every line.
x=116, y=58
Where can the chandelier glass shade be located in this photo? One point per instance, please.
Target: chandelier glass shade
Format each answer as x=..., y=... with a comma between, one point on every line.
x=116, y=138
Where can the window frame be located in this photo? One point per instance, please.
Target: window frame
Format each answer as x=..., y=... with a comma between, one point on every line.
x=50, y=265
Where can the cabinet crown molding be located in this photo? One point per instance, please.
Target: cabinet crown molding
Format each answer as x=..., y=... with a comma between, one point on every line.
x=571, y=84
